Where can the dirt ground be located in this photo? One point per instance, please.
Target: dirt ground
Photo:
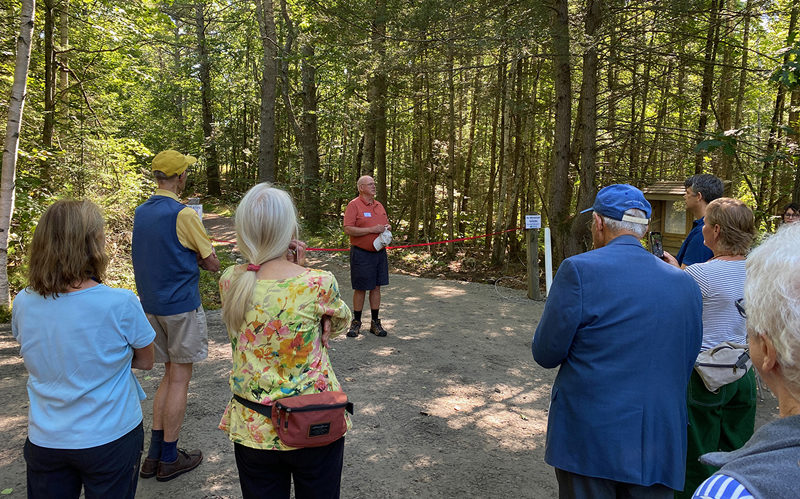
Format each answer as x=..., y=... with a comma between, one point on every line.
x=449, y=404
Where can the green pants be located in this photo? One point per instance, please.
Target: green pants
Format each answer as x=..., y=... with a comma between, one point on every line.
x=721, y=421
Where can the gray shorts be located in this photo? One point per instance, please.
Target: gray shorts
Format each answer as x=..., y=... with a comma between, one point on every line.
x=180, y=338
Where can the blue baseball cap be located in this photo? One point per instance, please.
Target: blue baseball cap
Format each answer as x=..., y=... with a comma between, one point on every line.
x=614, y=200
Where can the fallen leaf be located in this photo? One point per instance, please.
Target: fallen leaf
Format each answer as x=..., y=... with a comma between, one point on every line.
x=7, y=491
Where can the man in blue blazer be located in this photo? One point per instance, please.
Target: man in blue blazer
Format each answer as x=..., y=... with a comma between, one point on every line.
x=624, y=328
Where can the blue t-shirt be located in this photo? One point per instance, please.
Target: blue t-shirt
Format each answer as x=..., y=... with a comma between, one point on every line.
x=78, y=349
x=693, y=250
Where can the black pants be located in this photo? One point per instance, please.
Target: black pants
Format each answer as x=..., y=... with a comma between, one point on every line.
x=317, y=471
x=108, y=470
x=574, y=486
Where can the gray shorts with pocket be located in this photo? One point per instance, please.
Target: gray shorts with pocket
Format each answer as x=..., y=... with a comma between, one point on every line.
x=180, y=338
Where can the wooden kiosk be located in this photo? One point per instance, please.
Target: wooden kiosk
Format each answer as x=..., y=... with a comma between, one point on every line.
x=669, y=212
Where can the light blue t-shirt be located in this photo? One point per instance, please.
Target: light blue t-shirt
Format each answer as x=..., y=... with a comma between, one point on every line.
x=78, y=349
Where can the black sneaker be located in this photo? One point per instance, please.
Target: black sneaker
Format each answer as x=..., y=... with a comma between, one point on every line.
x=376, y=328
x=355, y=329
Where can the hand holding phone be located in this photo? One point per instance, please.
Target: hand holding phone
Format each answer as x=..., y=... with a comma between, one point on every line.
x=656, y=246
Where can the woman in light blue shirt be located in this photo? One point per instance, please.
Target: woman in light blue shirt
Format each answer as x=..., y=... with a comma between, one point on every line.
x=79, y=340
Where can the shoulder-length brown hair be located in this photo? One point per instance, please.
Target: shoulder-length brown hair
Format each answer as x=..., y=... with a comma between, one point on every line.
x=736, y=225
x=68, y=247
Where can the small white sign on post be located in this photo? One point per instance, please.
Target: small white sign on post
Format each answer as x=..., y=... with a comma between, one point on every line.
x=533, y=221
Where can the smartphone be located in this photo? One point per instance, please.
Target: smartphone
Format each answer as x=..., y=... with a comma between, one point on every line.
x=656, y=248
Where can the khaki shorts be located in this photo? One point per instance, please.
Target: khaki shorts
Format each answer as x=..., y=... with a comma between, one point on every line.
x=180, y=338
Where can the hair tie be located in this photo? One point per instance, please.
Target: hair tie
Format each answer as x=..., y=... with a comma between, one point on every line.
x=254, y=268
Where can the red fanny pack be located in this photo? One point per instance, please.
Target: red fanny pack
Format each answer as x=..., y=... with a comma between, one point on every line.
x=306, y=420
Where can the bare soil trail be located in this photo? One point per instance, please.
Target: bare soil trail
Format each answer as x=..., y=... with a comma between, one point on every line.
x=449, y=404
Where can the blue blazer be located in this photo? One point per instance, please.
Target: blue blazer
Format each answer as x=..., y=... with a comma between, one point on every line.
x=625, y=329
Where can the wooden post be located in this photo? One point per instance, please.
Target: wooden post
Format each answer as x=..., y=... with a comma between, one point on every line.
x=532, y=243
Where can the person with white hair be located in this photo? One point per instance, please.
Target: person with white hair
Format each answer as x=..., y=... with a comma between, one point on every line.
x=280, y=316
x=767, y=465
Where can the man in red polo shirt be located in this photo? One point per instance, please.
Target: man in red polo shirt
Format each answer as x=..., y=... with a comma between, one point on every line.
x=364, y=221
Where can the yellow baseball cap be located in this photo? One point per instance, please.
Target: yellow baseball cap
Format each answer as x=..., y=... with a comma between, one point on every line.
x=172, y=162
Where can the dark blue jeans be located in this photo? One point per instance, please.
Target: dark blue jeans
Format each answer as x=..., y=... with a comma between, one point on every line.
x=108, y=470
x=317, y=471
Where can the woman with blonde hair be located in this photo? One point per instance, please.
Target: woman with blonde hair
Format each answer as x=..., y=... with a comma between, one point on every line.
x=274, y=310
x=79, y=339
x=724, y=419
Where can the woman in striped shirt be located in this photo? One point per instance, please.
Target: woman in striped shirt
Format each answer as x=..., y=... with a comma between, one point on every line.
x=721, y=420
x=767, y=465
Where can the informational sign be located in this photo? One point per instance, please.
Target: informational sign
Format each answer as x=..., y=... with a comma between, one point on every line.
x=533, y=221
x=194, y=203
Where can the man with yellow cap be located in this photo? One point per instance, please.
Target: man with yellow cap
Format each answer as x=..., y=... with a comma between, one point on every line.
x=169, y=242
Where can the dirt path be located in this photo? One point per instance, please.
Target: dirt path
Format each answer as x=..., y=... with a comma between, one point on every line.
x=450, y=404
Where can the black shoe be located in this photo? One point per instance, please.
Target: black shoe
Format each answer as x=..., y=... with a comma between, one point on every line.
x=355, y=329
x=376, y=328
x=187, y=461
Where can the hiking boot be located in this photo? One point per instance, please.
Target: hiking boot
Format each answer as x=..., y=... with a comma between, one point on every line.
x=355, y=329
x=187, y=461
x=376, y=328
x=149, y=467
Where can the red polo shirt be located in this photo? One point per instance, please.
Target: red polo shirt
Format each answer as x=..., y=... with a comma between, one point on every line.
x=361, y=214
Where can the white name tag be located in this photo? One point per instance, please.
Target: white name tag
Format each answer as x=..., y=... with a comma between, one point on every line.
x=368, y=214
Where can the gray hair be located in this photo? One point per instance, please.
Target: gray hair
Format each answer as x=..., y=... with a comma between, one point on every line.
x=772, y=298
x=624, y=226
x=161, y=176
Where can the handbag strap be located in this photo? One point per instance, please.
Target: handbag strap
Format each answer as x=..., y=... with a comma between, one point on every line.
x=741, y=362
x=264, y=410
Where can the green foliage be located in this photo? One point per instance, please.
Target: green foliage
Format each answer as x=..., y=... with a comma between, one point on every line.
x=788, y=73
x=209, y=281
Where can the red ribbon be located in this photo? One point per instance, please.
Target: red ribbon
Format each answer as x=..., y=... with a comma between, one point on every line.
x=397, y=247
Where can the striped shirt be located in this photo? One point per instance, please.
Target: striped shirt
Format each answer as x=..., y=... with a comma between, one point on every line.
x=721, y=487
x=721, y=283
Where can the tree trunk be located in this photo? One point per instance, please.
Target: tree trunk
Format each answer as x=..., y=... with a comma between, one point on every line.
x=737, y=120
x=501, y=68
x=63, y=59
x=560, y=187
x=265, y=13
x=310, y=140
x=465, y=192
x=451, y=150
x=581, y=236
x=416, y=159
x=712, y=39
x=209, y=142
x=503, y=165
x=724, y=162
x=770, y=162
x=49, y=117
x=11, y=144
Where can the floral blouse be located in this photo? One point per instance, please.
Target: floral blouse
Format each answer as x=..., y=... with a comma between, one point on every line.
x=278, y=351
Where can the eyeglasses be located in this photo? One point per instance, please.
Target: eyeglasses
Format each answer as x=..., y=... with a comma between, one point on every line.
x=791, y=215
x=740, y=308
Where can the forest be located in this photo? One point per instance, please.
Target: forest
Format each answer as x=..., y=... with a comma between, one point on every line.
x=469, y=114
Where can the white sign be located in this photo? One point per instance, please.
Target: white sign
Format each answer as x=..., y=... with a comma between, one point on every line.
x=198, y=208
x=533, y=221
